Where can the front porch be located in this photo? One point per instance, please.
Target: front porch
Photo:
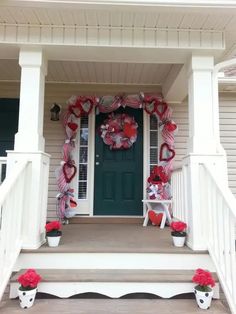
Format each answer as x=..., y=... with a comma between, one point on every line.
x=114, y=238
x=114, y=260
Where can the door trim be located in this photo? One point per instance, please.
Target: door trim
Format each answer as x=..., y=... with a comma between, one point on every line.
x=87, y=206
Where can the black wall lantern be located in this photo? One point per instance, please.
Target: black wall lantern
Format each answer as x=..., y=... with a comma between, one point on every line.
x=55, y=111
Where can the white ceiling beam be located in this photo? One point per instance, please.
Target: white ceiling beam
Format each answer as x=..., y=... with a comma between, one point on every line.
x=175, y=87
x=110, y=36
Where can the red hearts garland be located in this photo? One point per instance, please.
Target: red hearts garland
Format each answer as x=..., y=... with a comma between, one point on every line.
x=67, y=166
x=166, y=147
x=163, y=107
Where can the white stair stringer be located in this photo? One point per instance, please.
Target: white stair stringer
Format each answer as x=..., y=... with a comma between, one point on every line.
x=113, y=289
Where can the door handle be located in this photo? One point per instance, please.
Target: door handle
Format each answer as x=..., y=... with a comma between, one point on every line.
x=97, y=163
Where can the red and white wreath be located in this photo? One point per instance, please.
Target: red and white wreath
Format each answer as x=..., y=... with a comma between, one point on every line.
x=119, y=131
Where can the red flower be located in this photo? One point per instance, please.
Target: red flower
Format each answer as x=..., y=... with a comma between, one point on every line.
x=53, y=225
x=203, y=278
x=178, y=226
x=29, y=279
x=158, y=175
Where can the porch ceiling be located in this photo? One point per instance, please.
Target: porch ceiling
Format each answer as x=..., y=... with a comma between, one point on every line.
x=93, y=72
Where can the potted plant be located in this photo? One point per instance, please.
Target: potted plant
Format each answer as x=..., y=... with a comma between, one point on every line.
x=178, y=232
x=28, y=289
x=53, y=233
x=203, y=292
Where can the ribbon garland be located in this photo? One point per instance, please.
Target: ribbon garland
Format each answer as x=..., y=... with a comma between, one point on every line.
x=79, y=106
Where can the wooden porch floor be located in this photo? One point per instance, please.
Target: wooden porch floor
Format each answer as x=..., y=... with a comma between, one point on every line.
x=114, y=238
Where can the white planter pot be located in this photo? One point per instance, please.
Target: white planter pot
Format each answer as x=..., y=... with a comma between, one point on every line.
x=203, y=298
x=178, y=241
x=27, y=298
x=53, y=241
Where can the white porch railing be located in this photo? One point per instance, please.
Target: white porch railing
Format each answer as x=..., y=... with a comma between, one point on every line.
x=3, y=164
x=220, y=208
x=177, y=186
x=12, y=201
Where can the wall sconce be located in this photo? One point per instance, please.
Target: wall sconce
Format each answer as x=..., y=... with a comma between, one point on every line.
x=55, y=111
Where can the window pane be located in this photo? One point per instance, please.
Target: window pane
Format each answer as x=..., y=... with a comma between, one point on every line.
x=82, y=172
x=83, y=155
x=153, y=156
x=84, y=137
x=153, y=122
x=153, y=138
x=82, y=190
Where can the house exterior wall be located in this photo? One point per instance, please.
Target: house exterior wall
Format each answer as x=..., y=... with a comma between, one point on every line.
x=54, y=135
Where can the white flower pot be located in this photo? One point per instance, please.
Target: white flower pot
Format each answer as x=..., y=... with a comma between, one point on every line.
x=178, y=241
x=27, y=298
x=53, y=241
x=203, y=298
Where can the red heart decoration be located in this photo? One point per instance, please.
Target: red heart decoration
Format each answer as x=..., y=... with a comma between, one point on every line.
x=87, y=106
x=155, y=218
x=170, y=126
x=76, y=110
x=69, y=171
x=73, y=126
x=82, y=107
x=161, y=109
x=151, y=106
x=166, y=150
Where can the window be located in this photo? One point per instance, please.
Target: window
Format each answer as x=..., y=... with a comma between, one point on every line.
x=153, y=139
x=83, y=159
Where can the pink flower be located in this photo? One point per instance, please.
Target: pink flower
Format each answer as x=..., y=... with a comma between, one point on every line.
x=178, y=226
x=29, y=279
x=53, y=225
x=203, y=278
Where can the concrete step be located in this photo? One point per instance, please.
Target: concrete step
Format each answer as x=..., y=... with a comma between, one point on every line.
x=111, y=306
x=113, y=283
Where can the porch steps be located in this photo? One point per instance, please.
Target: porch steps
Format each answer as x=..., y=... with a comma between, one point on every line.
x=116, y=283
x=112, y=306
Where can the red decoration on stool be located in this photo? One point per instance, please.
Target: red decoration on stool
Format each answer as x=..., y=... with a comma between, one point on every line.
x=155, y=218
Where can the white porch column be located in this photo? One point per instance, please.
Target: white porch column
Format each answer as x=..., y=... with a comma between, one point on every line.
x=203, y=145
x=30, y=129
x=29, y=145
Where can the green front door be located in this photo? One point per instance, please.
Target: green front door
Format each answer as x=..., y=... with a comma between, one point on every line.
x=118, y=187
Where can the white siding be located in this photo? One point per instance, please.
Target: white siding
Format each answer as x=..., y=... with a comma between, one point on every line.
x=180, y=116
x=228, y=134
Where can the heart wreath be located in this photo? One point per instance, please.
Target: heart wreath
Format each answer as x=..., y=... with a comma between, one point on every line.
x=69, y=171
x=119, y=131
x=166, y=153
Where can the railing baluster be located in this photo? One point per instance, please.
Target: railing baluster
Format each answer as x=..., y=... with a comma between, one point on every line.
x=11, y=203
x=221, y=236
